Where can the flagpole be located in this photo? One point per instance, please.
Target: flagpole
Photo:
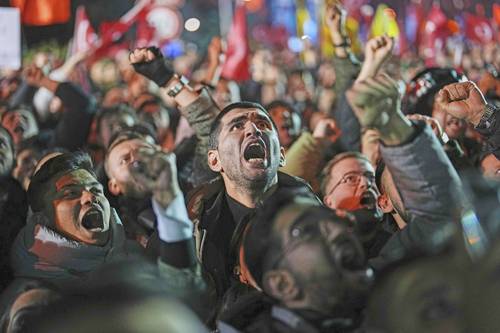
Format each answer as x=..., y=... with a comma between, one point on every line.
x=225, y=17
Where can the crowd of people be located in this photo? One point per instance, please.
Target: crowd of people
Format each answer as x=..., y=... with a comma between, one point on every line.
x=342, y=196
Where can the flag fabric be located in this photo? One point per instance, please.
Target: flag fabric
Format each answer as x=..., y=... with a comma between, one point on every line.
x=84, y=35
x=43, y=12
x=384, y=22
x=478, y=29
x=433, y=35
x=413, y=23
x=496, y=13
x=236, y=65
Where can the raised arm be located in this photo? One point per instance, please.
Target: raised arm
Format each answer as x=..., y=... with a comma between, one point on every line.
x=465, y=101
x=197, y=106
x=73, y=129
x=427, y=183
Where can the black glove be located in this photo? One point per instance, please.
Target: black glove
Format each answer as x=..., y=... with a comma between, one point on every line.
x=158, y=70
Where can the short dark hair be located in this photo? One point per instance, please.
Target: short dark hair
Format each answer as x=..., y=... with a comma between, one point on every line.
x=111, y=111
x=261, y=244
x=281, y=103
x=325, y=174
x=215, y=128
x=57, y=165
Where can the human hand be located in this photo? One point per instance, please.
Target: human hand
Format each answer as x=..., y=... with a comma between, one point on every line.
x=157, y=172
x=377, y=51
x=34, y=75
x=214, y=50
x=335, y=17
x=462, y=100
x=376, y=102
x=327, y=130
x=433, y=123
x=150, y=63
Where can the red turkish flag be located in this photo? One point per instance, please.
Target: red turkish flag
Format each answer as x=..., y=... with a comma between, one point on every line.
x=236, y=66
x=433, y=34
x=478, y=29
x=84, y=35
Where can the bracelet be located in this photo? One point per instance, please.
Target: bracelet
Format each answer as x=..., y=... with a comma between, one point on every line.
x=175, y=90
x=346, y=43
x=487, y=116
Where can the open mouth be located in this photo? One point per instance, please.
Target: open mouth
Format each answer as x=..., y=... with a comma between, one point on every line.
x=19, y=129
x=255, y=152
x=368, y=200
x=93, y=220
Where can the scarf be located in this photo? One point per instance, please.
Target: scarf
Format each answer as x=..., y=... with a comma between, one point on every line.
x=41, y=253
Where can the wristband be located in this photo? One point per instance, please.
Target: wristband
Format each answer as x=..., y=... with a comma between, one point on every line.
x=487, y=117
x=345, y=43
x=175, y=90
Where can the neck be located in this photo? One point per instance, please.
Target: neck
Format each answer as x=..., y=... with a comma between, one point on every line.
x=249, y=196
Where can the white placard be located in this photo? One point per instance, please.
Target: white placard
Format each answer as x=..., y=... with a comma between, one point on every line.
x=10, y=38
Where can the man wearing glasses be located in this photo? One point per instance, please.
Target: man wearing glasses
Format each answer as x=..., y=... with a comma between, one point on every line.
x=420, y=185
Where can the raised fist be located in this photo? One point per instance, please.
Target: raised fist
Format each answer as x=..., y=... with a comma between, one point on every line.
x=156, y=171
x=34, y=75
x=377, y=51
x=462, y=100
x=335, y=17
x=327, y=130
x=375, y=101
x=150, y=63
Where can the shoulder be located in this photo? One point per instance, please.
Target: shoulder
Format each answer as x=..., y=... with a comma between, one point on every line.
x=201, y=196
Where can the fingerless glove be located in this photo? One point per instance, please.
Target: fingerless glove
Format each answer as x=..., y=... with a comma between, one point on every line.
x=158, y=70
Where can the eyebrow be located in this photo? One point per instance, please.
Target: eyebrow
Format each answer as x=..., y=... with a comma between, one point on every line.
x=70, y=185
x=246, y=117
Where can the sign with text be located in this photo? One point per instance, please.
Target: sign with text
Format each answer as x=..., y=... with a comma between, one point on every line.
x=10, y=38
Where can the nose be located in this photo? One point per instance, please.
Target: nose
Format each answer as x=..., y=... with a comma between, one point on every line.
x=252, y=129
x=364, y=182
x=87, y=198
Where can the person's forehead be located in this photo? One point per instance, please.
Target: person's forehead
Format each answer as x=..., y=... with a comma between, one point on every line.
x=491, y=161
x=238, y=112
x=288, y=214
x=129, y=145
x=76, y=177
x=351, y=164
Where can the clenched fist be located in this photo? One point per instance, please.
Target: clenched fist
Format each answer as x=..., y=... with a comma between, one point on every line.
x=462, y=100
x=150, y=63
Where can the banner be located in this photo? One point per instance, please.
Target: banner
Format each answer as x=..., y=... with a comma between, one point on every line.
x=10, y=38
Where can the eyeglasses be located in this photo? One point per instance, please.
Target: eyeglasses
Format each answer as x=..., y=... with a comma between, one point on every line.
x=353, y=178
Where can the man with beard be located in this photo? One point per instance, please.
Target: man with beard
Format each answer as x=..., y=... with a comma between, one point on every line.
x=427, y=191
x=244, y=149
x=308, y=263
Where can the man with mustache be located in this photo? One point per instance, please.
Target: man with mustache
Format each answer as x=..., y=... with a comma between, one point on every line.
x=244, y=149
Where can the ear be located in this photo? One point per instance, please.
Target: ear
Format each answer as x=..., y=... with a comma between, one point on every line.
x=214, y=161
x=385, y=203
x=329, y=202
x=282, y=157
x=113, y=187
x=281, y=285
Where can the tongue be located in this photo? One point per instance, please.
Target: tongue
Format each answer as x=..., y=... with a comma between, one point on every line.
x=254, y=151
x=92, y=220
